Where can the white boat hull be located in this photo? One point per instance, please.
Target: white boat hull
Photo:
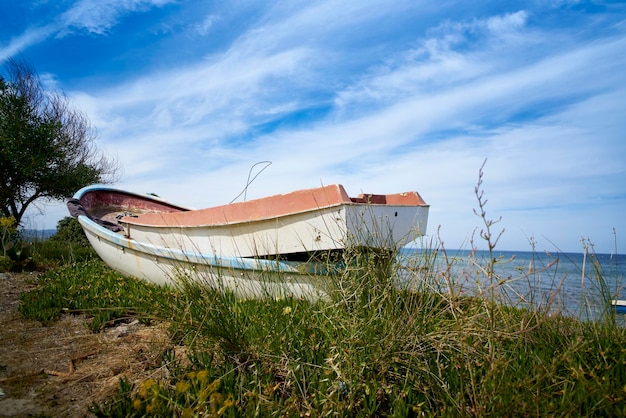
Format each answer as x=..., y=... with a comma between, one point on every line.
x=246, y=278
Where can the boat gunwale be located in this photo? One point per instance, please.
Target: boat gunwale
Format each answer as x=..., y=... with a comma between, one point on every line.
x=347, y=202
x=103, y=188
x=131, y=221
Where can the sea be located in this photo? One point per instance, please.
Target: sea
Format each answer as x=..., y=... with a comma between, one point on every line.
x=37, y=234
x=580, y=285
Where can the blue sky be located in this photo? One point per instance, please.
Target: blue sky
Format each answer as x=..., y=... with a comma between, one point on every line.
x=379, y=96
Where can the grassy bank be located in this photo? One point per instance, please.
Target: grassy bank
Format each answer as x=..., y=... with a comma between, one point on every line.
x=373, y=349
x=378, y=347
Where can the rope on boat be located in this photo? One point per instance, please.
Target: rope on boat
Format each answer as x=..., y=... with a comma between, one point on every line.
x=244, y=192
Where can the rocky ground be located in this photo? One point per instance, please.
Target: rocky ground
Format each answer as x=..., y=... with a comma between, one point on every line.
x=61, y=369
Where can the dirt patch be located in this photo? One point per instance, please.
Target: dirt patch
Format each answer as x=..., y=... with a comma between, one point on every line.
x=61, y=369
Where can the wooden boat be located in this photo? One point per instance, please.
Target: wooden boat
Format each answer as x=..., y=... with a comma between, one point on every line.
x=262, y=246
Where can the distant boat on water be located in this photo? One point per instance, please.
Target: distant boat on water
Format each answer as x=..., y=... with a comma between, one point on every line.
x=620, y=306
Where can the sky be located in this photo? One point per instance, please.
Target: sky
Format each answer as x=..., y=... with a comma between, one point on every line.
x=379, y=96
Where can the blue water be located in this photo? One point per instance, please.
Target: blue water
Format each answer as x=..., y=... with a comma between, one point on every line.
x=37, y=234
x=572, y=284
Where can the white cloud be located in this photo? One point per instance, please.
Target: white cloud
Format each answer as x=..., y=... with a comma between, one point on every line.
x=98, y=16
x=26, y=39
x=93, y=16
x=543, y=107
x=206, y=26
x=507, y=23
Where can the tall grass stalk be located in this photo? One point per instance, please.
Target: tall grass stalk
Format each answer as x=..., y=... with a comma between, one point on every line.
x=487, y=235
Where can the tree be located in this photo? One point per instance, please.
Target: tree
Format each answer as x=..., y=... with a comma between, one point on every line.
x=69, y=230
x=46, y=146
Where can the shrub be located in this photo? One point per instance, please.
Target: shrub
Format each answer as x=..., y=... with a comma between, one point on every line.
x=69, y=230
x=69, y=244
x=16, y=253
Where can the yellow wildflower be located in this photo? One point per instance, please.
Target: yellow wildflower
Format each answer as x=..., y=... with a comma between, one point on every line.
x=146, y=387
x=153, y=406
x=286, y=310
x=215, y=385
x=8, y=223
x=227, y=404
x=182, y=387
x=203, y=375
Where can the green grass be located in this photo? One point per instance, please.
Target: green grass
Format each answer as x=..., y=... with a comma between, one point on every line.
x=91, y=288
x=372, y=350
